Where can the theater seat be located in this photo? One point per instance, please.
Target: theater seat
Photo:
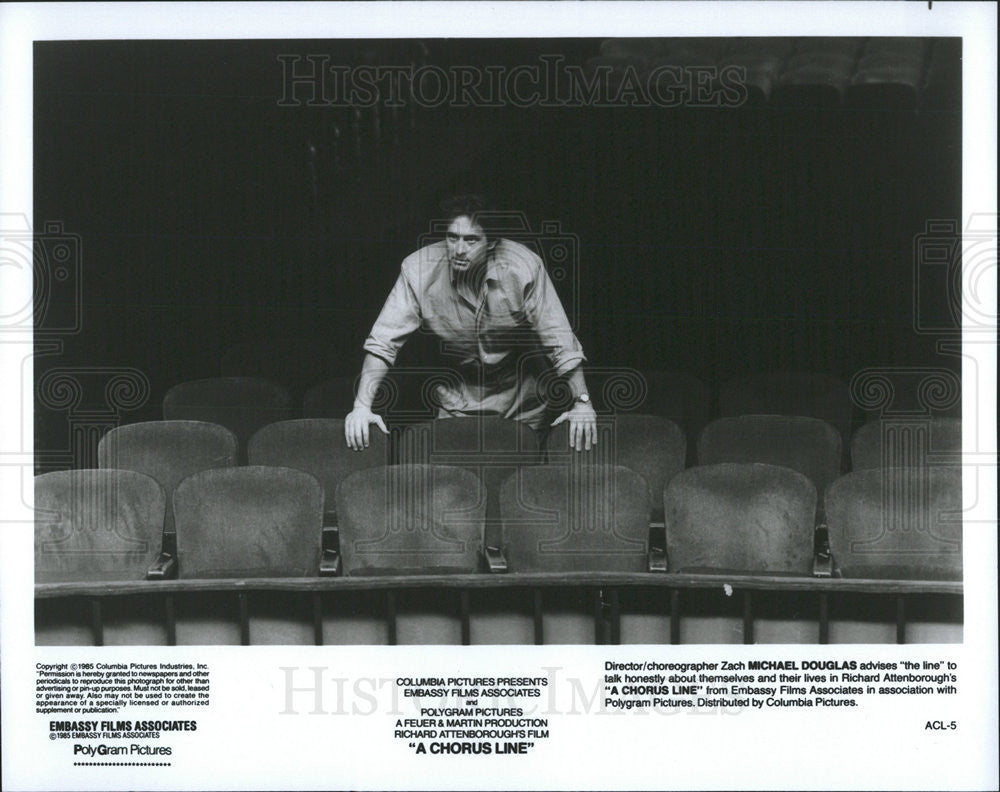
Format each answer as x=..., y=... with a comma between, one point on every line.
x=295, y=363
x=913, y=442
x=655, y=448
x=900, y=524
x=404, y=397
x=807, y=445
x=942, y=89
x=818, y=72
x=334, y=397
x=648, y=444
x=763, y=59
x=745, y=517
x=814, y=83
x=809, y=394
x=825, y=46
x=248, y=522
x=905, y=392
x=408, y=519
x=569, y=518
x=241, y=404
x=168, y=451
x=317, y=446
x=675, y=395
x=742, y=518
x=490, y=446
x=97, y=525
x=633, y=47
x=897, y=523
x=886, y=83
x=889, y=74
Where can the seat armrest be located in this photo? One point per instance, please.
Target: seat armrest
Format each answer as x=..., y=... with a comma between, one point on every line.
x=496, y=563
x=331, y=537
x=329, y=564
x=822, y=557
x=163, y=568
x=169, y=545
x=657, y=561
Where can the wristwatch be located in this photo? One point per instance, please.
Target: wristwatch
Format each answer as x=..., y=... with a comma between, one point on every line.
x=583, y=398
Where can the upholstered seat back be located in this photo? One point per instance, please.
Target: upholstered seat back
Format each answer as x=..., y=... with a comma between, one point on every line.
x=248, y=522
x=96, y=525
x=745, y=517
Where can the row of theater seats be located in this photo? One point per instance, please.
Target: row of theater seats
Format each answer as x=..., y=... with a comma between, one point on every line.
x=294, y=362
x=258, y=521
x=246, y=403
x=508, y=479
x=651, y=445
x=267, y=522
x=570, y=506
x=874, y=72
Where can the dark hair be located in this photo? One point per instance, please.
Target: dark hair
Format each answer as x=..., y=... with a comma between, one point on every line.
x=471, y=205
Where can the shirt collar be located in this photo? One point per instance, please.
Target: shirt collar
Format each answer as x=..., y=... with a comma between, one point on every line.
x=489, y=267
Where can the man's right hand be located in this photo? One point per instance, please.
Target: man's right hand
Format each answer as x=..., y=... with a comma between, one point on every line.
x=356, y=427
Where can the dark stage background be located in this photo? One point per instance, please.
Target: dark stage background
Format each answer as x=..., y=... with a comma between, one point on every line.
x=718, y=241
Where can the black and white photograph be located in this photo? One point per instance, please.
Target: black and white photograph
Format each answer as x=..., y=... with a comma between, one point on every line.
x=500, y=384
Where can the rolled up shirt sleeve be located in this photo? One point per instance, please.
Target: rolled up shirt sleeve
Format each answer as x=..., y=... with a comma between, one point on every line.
x=547, y=317
x=399, y=318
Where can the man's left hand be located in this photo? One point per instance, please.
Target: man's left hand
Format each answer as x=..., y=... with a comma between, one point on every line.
x=582, y=426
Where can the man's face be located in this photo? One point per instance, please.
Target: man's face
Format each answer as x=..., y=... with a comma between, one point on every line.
x=466, y=244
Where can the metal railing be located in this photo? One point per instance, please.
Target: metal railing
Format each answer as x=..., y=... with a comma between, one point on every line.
x=603, y=591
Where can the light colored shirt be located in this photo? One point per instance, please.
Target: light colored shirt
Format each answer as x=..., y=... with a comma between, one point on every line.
x=501, y=340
